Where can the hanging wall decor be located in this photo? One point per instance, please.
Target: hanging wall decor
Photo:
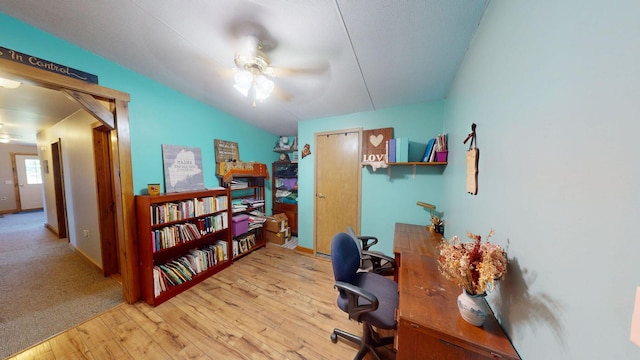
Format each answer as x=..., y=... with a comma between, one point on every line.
x=182, y=168
x=374, y=145
x=306, y=150
x=472, y=162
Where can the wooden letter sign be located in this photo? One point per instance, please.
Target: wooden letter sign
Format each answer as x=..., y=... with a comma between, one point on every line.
x=374, y=144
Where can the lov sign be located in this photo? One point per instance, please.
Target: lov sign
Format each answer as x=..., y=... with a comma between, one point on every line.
x=374, y=144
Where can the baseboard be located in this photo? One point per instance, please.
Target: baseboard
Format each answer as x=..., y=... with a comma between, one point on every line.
x=85, y=256
x=52, y=229
x=304, y=250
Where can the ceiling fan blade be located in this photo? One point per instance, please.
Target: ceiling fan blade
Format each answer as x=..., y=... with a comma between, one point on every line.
x=319, y=69
x=281, y=95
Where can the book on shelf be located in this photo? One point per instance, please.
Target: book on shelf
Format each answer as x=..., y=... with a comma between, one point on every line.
x=392, y=151
x=243, y=244
x=435, y=145
x=238, y=184
x=428, y=150
x=402, y=149
x=178, y=211
x=184, y=268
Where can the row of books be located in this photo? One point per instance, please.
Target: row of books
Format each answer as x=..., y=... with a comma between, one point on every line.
x=435, y=146
x=183, y=269
x=398, y=149
x=168, y=212
x=170, y=236
x=243, y=244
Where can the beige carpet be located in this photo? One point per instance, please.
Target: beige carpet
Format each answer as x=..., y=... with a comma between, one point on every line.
x=46, y=287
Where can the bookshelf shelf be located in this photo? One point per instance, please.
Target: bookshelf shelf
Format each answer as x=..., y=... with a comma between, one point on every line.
x=285, y=175
x=183, y=238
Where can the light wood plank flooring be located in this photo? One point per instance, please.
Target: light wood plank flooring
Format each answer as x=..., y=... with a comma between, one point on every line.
x=272, y=304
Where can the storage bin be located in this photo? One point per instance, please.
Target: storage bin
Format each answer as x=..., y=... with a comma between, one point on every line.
x=240, y=224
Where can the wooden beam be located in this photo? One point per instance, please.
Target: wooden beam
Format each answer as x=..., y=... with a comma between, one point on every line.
x=92, y=106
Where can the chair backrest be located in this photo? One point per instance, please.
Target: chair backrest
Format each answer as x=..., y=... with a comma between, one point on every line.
x=355, y=238
x=345, y=257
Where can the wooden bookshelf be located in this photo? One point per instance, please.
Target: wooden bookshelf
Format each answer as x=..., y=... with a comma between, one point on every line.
x=165, y=234
x=253, y=190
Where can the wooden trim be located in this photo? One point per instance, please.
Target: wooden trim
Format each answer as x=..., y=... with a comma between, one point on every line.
x=91, y=105
x=304, y=250
x=50, y=228
x=38, y=77
x=122, y=171
x=125, y=204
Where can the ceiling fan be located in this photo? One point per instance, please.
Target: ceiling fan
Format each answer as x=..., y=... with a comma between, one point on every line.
x=253, y=67
x=254, y=73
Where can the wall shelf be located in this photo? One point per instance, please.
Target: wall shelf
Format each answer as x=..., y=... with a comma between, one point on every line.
x=413, y=164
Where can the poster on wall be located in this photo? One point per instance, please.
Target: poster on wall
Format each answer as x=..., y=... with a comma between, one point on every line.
x=182, y=168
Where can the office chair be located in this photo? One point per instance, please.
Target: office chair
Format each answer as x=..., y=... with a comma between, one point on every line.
x=368, y=298
x=374, y=261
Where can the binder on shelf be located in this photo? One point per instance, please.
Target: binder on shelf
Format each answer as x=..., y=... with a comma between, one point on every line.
x=402, y=149
x=392, y=151
x=428, y=150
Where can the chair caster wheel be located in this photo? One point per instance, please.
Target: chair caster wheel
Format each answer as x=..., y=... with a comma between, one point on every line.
x=334, y=337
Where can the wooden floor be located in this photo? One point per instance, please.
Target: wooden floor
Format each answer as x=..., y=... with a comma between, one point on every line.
x=272, y=304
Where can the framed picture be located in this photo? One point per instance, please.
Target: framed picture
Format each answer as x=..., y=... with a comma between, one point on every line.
x=182, y=168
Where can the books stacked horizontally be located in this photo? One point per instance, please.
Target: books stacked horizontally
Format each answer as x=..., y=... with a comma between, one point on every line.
x=253, y=202
x=238, y=184
x=256, y=219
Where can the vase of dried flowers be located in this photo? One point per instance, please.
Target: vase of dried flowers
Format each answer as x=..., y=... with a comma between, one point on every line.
x=475, y=267
x=473, y=308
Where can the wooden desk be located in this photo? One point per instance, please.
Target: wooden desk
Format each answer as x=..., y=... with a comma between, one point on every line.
x=429, y=324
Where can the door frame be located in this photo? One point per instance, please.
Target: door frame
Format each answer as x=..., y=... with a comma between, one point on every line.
x=117, y=119
x=57, y=170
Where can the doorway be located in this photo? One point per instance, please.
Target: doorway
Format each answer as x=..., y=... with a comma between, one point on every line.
x=27, y=175
x=115, y=115
x=338, y=177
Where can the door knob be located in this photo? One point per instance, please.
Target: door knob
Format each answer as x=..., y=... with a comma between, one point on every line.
x=320, y=196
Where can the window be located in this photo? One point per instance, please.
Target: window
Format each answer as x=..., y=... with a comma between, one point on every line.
x=33, y=172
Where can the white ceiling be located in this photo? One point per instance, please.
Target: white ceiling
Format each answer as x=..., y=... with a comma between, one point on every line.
x=373, y=54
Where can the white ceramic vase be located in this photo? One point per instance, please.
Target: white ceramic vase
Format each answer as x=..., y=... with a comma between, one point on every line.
x=473, y=308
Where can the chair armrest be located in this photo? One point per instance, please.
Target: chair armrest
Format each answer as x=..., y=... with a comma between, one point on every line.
x=379, y=256
x=354, y=293
x=376, y=259
x=365, y=241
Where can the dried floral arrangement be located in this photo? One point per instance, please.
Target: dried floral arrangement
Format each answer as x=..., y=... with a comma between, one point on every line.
x=475, y=266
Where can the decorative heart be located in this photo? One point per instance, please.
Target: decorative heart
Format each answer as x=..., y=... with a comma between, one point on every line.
x=376, y=140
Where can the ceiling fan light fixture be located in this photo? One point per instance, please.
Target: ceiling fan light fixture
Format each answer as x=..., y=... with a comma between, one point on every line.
x=9, y=84
x=263, y=87
x=244, y=80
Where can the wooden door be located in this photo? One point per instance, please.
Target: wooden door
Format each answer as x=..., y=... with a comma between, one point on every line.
x=28, y=172
x=106, y=202
x=337, y=185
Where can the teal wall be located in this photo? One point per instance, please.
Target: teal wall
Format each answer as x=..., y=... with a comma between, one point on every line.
x=554, y=87
x=157, y=114
x=385, y=200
